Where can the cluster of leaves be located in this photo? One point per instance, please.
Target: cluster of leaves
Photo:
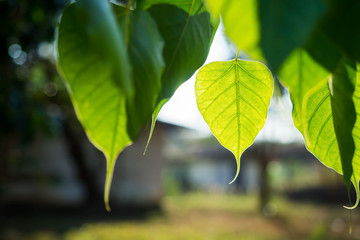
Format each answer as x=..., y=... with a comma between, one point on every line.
x=122, y=63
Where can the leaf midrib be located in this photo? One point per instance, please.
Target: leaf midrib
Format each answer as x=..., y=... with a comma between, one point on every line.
x=115, y=132
x=237, y=105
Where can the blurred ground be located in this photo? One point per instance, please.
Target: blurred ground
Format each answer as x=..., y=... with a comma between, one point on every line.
x=191, y=216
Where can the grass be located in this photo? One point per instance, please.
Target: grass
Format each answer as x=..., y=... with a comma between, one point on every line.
x=211, y=217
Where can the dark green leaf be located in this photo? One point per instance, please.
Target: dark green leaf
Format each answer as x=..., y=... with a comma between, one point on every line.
x=145, y=47
x=269, y=28
x=322, y=49
x=187, y=42
x=344, y=115
x=286, y=25
x=356, y=135
x=342, y=27
x=189, y=6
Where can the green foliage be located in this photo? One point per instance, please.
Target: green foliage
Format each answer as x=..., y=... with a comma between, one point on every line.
x=187, y=42
x=111, y=120
x=233, y=98
x=112, y=48
x=123, y=69
x=268, y=28
x=323, y=110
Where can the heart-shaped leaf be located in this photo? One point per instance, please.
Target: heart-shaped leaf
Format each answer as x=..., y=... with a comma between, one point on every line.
x=234, y=97
x=110, y=118
x=320, y=100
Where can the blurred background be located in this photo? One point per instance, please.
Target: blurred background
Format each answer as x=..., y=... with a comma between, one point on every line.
x=51, y=177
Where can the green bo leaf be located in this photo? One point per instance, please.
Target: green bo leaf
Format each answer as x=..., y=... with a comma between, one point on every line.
x=145, y=48
x=300, y=73
x=234, y=97
x=324, y=111
x=111, y=119
x=111, y=47
x=187, y=42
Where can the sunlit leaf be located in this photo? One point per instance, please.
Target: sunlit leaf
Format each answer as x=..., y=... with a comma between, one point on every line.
x=233, y=97
x=320, y=99
x=356, y=135
x=111, y=47
x=110, y=119
x=241, y=22
x=300, y=73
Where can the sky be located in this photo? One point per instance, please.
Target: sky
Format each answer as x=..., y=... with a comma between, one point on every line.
x=182, y=110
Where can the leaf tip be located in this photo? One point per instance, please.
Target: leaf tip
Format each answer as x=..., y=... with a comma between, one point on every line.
x=237, y=170
x=153, y=122
x=107, y=194
x=149, y=138
x=107, y=207
x=108, y=180
x=357, y=196
x=355, y=205
x=148, y=141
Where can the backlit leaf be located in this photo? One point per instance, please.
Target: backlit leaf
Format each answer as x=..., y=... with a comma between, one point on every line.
x=233, y=97
x=300, y=73
x=111, y=47
x=110, y=119
x=320, y=99
x=241, y=22
x=356, y=135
